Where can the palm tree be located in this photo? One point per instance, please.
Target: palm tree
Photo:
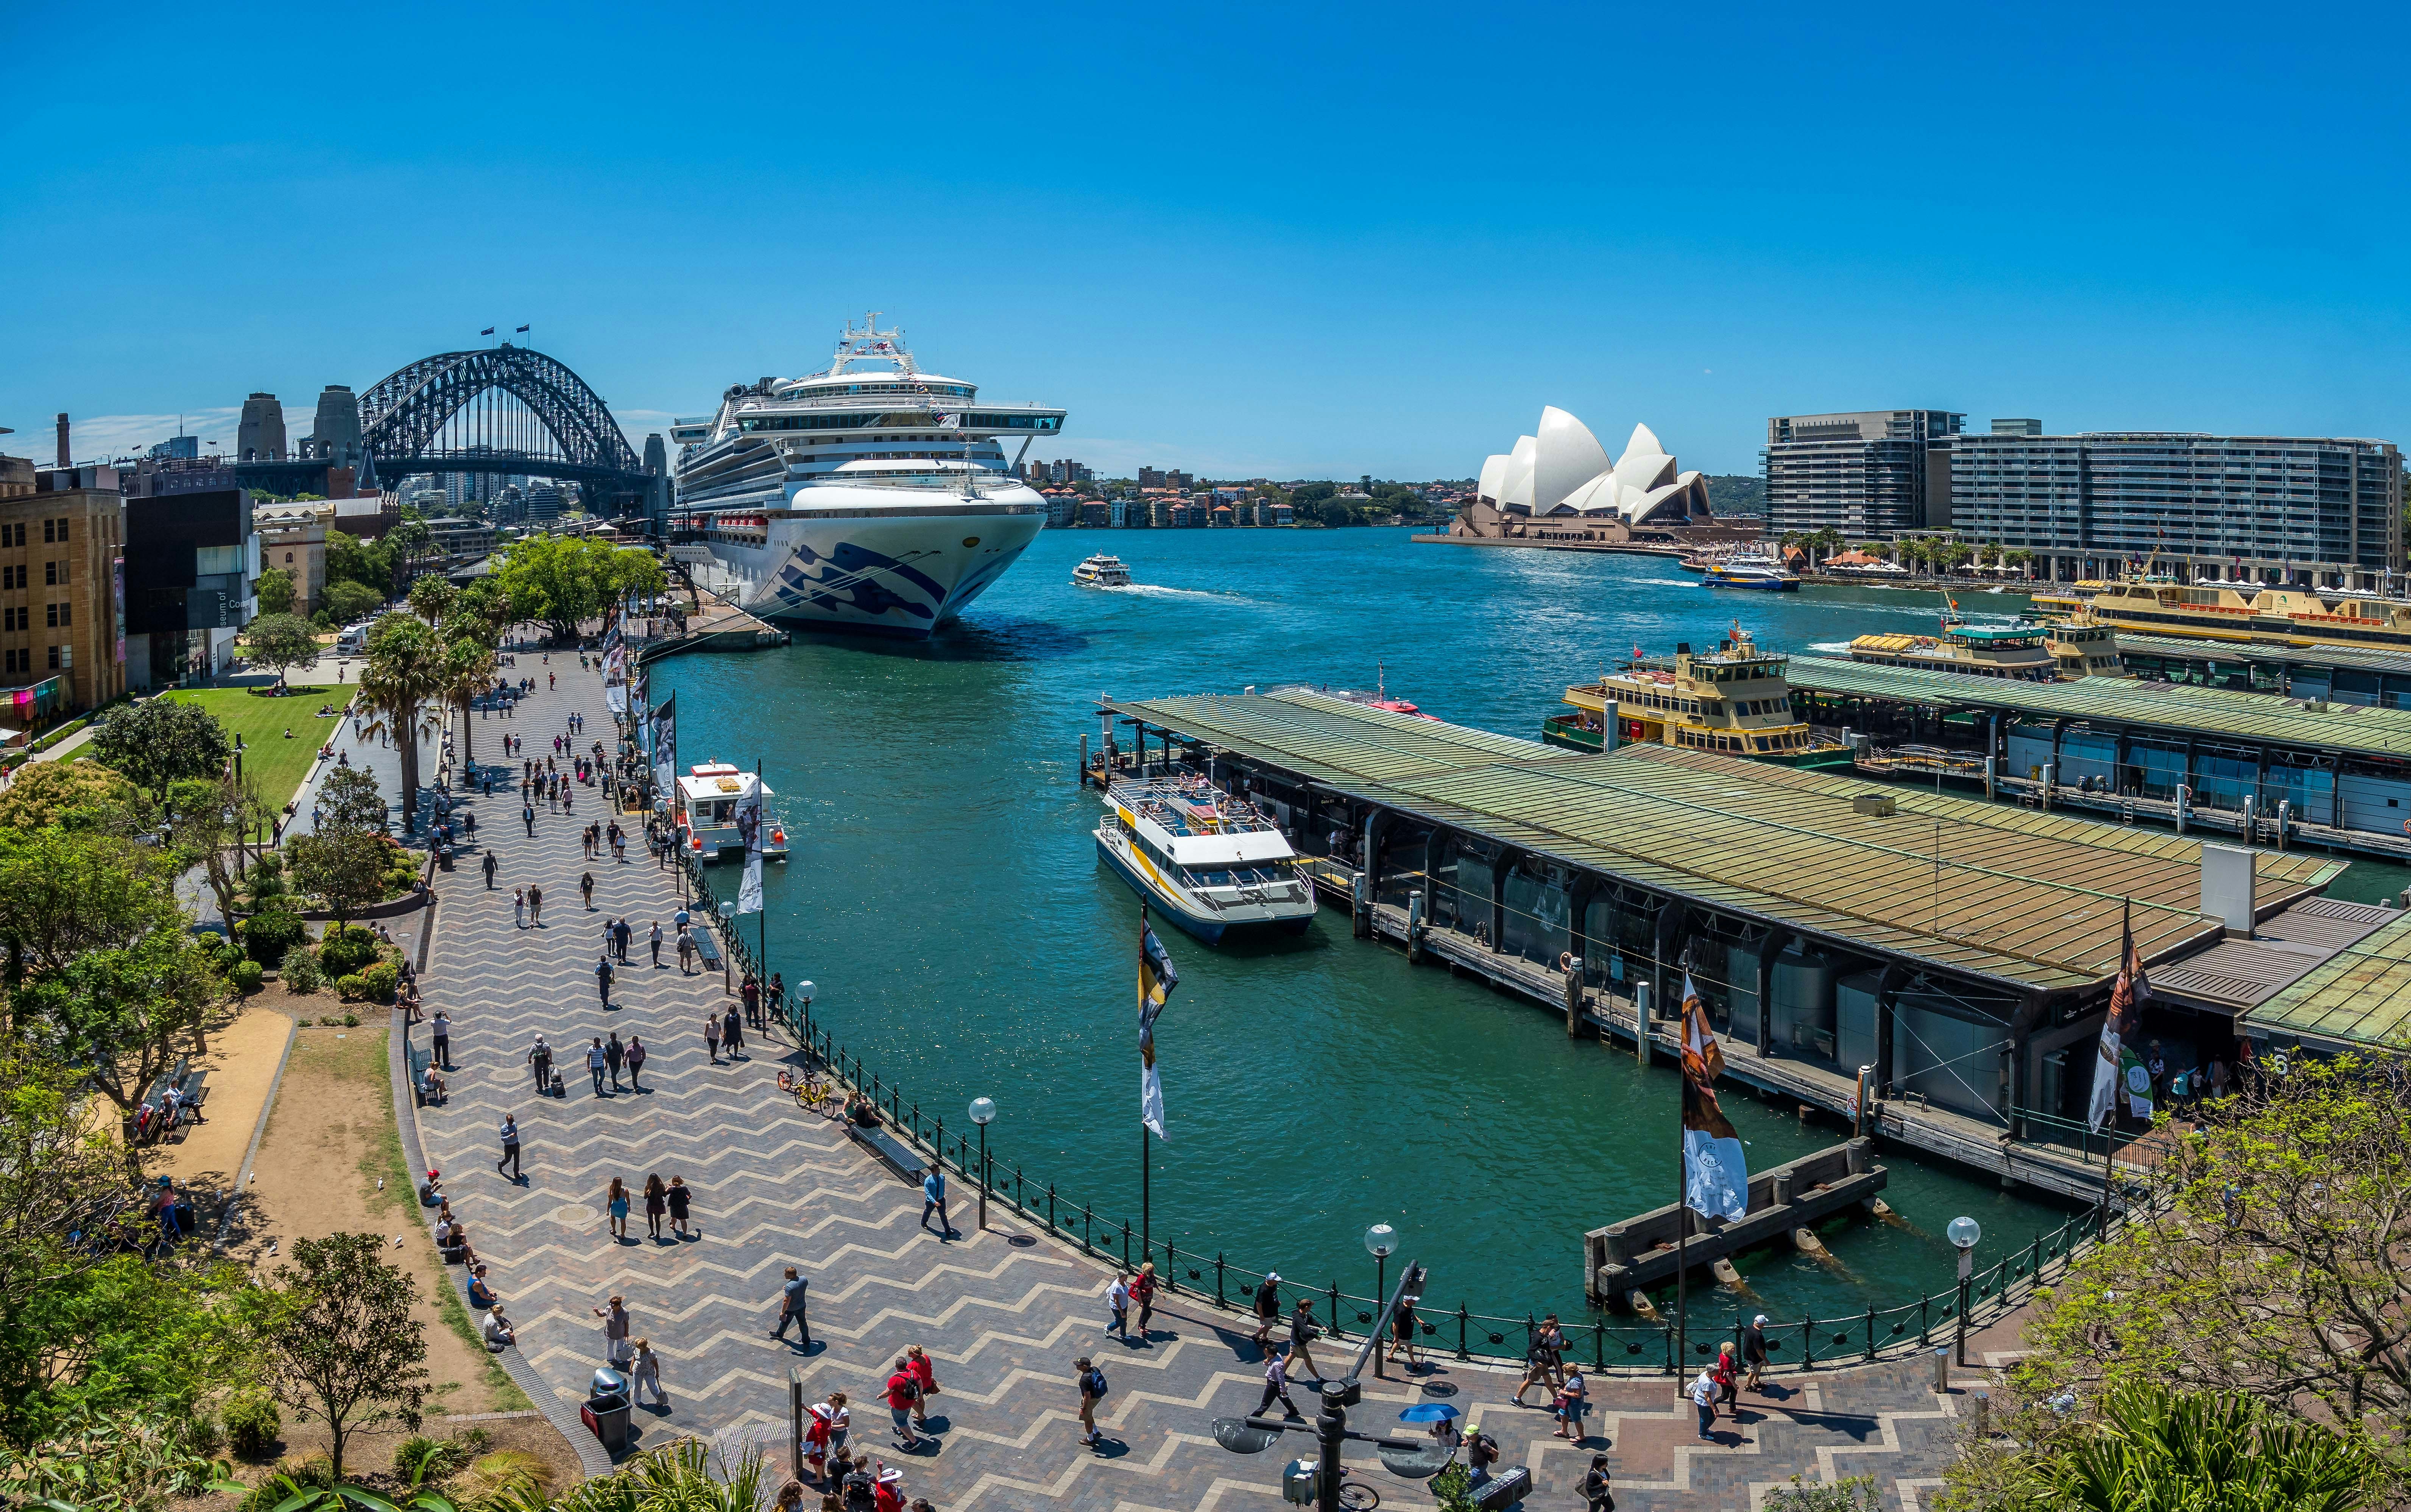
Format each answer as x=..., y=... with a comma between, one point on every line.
x=404, y=675
x=468, y=671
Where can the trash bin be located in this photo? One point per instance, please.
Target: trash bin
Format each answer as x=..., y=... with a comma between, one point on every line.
x=607, y=1410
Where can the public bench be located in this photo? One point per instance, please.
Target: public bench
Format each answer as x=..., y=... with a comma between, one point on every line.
x=192, y=1091
x=706, y=950
x=891, y=1151
x=420, y=1060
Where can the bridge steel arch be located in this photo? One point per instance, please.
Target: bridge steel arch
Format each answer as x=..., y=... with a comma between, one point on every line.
x=403, y=417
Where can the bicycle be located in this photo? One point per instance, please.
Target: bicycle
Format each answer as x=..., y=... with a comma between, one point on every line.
x=810, y=1091
x=1356, y=1497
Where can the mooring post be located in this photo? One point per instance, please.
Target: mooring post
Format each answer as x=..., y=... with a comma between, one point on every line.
x=1415, y=926
x=1573, y=997
x=1084, y=760
x=2050, y=775
x=1641, y=1021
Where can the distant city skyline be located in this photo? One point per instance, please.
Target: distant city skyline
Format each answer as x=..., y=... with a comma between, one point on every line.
x=1305, y=255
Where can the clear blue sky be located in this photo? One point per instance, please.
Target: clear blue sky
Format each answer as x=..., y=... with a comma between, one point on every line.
x=1296, y=241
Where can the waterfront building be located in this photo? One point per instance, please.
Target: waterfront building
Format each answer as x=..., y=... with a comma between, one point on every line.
x=293, y=539
x=1062, y=508
x=1559, y=487
x=2316, y=511
x=260, y=434
x=62, y=536
x=1868, y=474
x=1094, y=512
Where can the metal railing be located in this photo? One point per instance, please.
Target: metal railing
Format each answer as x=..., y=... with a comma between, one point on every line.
x=1212, y=1278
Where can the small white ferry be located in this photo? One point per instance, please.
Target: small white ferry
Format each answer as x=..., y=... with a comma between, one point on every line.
x=1212, y=862
x=1101, y=572
x=708, y=817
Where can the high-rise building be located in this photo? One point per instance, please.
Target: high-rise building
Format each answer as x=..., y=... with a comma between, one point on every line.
x=178, y=448
x=1149, y=477
x=2266, y=508
x=2002, y=427
x=63, y=533
x=261, y=437
x=336, y=433
x=1866, y=474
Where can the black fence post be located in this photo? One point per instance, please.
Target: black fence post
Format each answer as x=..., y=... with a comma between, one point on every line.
x=1337, y=1331
x=1871, y=1330
x=1050, y=1206
x=1125, y=1265
x=1462, y=1352
x=1219, y=1300
x=1808, y=1342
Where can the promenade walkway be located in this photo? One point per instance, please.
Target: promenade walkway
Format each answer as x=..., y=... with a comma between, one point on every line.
x=1003, y=1313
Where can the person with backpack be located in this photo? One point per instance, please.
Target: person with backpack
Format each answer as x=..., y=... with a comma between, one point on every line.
x=925, y=1376
x=1753, y=1348
x=1092, y=1382
x=903, y=1395
x=1480, y=1453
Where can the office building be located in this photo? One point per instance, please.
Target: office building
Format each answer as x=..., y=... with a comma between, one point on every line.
x=61, y=535
x=2005, y=427
x=178, y=448
x=293, y=539
x=192, y=566
x=260, y=436
x=2321, y=511
x=1868, y=474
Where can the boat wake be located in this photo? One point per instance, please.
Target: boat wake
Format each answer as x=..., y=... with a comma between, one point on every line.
x=1150, y=590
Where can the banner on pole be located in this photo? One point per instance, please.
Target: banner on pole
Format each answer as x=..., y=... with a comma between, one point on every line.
x=1716, y=1174
x=1156, y=980
x=2118, y=1063
x=749, y=829
x=664, y=724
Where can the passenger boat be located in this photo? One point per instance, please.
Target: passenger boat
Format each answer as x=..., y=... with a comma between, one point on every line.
x=2267, y=616
x=2082, y=646
x=1101, y=572
x=1212, y=863
x=708, y=813
x=2019, y=652
x=1733, y=698
x=1759, y=574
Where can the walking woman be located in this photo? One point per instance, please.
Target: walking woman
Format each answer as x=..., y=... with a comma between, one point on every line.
x=518, y=908
x=656, y=1203
x=616, y=1349
x=711, y=1035
x=680, y=1196
x=645, y=1375
x=536, y=907
x=586, y=889
x=636, y=1063
x=618, y=1204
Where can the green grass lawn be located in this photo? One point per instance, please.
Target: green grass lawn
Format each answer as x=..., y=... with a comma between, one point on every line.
x=275, y=764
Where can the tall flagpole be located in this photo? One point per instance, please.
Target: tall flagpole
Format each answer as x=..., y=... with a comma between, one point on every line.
x=1145, y=1164
x=1682, y=1198
x=761, y=920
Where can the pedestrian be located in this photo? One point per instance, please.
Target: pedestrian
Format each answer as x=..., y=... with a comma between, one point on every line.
x=1753, y=1348
x=657, y=1204
x=1091, y=1383
x=751, y=994
x=925, y=1376
x=903, y=1394
x=636, y=1063
x=778, y=999
x=791, y=1310
x=645, y=1375
x=1118, y=1300
x=617, y=1350
x=711, y=1035
x=685, y=950
x=625, y=933
x=527, y=814
x=1536, y=1369
x=595, y=1063
x=1703, y=1397
x=1552, y=1342
x=491, y=866
x=1277, y=1386
x=603, y=979
x=539, y=1058
x=1142, y=1296
x=1572, y=1401
x=613, y=1053
x=1480, y=1453
x=680, y=1197
x=510, y=1147
x=441, y=1029
x=1596, y=1482
x=1402, y=1332
x=1303, y=1332
x=1267, y=1308
x=536, y=907
x=586, y=889
x=732, y=1033
x=657, y=942
x=618, y=1202
x=933, y=1199
x=839, y=1418
x=1728, y=1373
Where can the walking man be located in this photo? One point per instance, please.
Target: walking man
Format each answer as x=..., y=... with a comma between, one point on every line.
x=596, y=1063
x=791, y=1309
x=1118, y=1302
x=1277, y=1388
x=613, y=1052
x=933, y=1199
x=657, y=942
x=751, y=994
x=540, y=1059
x=603, y=979
x=1753, y=1348
x=510, y=1147
x=527, y=813
x=441, y=1030
x=1092, y=1382
x=1301, y=1333
x=902, y=1393
x=491, y=866
x=1268, y=1309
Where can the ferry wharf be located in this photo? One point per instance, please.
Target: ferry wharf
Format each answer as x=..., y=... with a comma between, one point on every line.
x=1957, y=954
x=2302, y=771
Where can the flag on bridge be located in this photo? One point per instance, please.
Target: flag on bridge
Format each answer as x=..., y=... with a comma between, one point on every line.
x=1716, y=1175
x=488, y=331
x=523, y=330
x=1156, y=980
x=2119, y=1033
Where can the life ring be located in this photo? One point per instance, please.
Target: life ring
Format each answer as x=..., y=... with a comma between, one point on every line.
x=1565, y=958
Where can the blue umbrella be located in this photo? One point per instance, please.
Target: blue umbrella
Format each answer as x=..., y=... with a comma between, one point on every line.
x=1428, y=1412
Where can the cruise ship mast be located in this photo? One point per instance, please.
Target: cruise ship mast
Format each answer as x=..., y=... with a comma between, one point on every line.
x=870, y=344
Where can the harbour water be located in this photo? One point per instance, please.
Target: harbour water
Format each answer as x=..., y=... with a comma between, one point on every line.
x=947, y=898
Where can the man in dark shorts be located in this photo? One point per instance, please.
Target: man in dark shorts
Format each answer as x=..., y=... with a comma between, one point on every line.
x=1267, y=1308
x=1753, y=1349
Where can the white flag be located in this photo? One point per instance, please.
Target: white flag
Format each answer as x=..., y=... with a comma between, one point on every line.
x=749, y=829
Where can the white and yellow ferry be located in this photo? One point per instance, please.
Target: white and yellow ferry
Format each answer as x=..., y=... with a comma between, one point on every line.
x=1211, y=862
x=711, y=811
x=1733, y=698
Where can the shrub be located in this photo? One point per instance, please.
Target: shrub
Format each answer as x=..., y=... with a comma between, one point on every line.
x=346, y=949
x=419, y=1460
x=351, y=990
x=496, y=1472
x=327, y=1019
x=302, y=972
x=351, y=1020
x=272, y=932
x=246, y=977
x=251, y=1425
x=381, y=979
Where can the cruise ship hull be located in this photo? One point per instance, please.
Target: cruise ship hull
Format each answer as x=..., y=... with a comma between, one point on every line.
x=872, y=565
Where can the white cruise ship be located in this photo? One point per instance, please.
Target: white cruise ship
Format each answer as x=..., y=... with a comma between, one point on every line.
x=872, y=497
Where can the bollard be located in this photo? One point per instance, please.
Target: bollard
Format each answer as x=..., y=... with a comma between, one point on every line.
x=2184, y=807
x=2050, y=775
x=1991, y=777
x=2251, y=824
x=1942, y=1371
x=1361, y=905
x=2284, y=818
x=1641, y=1021
x=1414, y=927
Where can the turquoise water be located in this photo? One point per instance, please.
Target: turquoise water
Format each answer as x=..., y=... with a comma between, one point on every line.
x=947, y=898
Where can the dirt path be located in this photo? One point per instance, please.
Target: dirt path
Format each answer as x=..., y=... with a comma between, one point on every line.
x=242, y=1065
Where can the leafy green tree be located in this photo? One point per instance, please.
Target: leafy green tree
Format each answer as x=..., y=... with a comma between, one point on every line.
x=116, y=1462
x=404, y=680
x=274, y=590
x=213, y=819
x=560, y=580
x=74, y=795
x=348, y=601
x=344, y=859
x=345, y=1349
x=367, y=562
x=282, y=642
x=161, y=740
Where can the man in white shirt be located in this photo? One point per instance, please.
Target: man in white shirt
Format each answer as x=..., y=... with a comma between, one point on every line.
x=498, y=1332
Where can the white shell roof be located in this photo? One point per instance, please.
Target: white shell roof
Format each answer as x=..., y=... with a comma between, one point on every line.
x=1517, y=486
x=1564, y=470
x=1566, y=457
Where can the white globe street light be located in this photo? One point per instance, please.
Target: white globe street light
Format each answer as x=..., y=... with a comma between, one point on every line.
x=983, y=1114
x=1383, y=1241
x=1964, y=1232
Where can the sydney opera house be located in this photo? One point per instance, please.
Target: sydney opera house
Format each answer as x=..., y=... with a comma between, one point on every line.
x=1560, y=489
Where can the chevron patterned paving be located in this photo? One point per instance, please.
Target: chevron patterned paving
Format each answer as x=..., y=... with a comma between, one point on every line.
x=1002, y=1312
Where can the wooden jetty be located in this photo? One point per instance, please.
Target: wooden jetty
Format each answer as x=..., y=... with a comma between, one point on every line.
x=1640, y=1253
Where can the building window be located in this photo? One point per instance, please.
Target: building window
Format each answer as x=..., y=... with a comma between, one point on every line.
x=54, y=616
x=20, y=659
x=13, y=577
x=55, y=658
x=13, y=535
x=51, y=574
x=288, y=559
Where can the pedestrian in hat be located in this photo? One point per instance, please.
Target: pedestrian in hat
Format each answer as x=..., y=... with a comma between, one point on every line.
x=1268, y=1309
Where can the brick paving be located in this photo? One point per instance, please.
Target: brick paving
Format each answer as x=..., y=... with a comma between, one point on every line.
x=1002, y=1312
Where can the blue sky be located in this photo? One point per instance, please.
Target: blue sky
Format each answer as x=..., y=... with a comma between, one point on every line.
x=1294, y=240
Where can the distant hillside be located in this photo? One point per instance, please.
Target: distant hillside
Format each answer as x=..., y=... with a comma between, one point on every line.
x=1730, y=493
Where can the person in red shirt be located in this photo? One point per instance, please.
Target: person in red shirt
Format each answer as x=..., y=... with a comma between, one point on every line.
x=1727, y=1376
x=889, y=1493
x=925, y=1376
x=903, y=1392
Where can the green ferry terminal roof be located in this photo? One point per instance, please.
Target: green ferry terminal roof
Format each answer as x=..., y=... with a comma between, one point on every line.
x=2360, y=658
x=2231, y=713
x=2028, y=898
x=2360, y=998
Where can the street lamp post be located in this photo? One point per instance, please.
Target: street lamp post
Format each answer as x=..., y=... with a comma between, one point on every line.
x=983, y=1114
x=1382, y=1240
x=1964, y=1232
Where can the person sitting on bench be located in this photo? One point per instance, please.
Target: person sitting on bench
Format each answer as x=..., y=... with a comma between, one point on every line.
x=862, y=1112
x=433, y=1086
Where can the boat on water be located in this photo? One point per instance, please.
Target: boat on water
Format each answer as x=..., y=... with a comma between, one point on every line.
x=1211, y=862
x=1102, y=571
x=1380, y=697
x=2020, y=652
x=712, y=812
x=871, y=496
x=2247, y=614
x=1734, y=698
x=1758, y=574
x=2082, y=646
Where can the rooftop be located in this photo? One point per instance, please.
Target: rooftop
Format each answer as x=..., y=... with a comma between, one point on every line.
x=2029, y=899
x=2357, y=658
x=2359, y=998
